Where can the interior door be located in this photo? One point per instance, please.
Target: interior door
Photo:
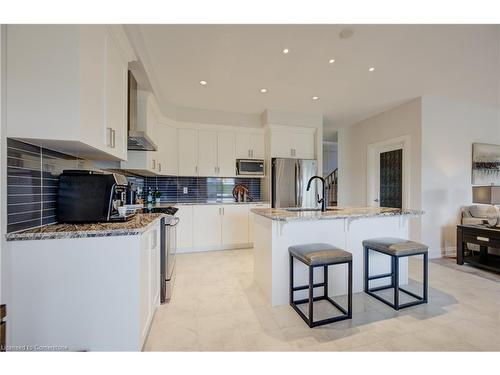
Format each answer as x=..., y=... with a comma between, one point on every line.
x=391, y=178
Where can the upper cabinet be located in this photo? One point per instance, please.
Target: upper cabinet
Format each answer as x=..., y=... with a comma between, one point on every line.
x=292, y=142
x=206, y=153
x=226, y=154
x=73, y=80
x=187, y=147
x=250, y=146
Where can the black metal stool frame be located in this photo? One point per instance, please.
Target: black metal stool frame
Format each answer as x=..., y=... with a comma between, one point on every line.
x=394, y=275
x=347, y=314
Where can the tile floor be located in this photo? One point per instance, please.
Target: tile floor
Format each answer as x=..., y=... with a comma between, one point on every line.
x=217, y=307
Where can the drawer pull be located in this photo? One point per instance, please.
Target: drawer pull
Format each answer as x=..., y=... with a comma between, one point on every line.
x=485, y=239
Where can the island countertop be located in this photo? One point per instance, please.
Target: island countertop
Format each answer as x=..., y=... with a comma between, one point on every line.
x=135, y=226
x=283, y=214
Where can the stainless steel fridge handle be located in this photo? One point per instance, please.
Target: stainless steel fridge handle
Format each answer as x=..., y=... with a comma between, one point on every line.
x=298, y=186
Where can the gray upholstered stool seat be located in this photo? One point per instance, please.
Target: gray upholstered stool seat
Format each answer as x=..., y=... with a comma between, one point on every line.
x=395, y=246
x=318, y=254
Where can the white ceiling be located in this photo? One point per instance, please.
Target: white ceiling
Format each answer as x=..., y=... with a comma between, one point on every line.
x=238, y=60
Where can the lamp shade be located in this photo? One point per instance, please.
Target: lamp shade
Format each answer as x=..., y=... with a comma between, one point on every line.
x=486, y=194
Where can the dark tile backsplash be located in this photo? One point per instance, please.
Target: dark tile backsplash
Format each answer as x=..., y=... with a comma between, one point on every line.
x=32, y=180
x=200, y=189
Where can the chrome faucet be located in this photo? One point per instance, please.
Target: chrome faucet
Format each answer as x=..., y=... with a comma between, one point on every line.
x=322, y=200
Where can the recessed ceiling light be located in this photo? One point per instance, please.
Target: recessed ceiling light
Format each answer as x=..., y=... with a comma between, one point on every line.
x=315, y=98
x=263, y=91
x=331, y=61
x=203, y=83
x=286, y=50
x=371, y=69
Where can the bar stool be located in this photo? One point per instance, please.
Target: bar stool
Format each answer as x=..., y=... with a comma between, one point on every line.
x=396, y=248
x=313, y=256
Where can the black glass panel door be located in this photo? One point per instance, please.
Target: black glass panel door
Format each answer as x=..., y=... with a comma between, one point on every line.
x=391, y=178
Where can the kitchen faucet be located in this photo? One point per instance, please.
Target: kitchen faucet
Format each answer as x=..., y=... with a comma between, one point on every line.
x=322, y=200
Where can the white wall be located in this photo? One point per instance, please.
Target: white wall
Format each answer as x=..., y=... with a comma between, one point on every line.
x=449, y=127
x=353, y=144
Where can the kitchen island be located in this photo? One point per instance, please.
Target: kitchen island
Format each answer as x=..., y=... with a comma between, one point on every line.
x=277, y=229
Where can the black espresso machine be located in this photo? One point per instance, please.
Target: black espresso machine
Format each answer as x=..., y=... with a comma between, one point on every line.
x=90, y=196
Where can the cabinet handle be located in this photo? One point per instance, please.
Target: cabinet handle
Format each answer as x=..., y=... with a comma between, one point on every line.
x=159, y=167
x=110, y=137
x=154, y=163
x=113, y=133
x=196, y=169
x=215, y=170
x=251, y=152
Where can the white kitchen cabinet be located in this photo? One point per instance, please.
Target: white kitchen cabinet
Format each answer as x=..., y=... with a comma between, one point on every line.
x=226, y=154
x=145, y=163
x=303, y=145
x=73, y=79
x=250, y=146
x=234, y=224
x=207, y=153
x=257, y=146
x=251, y=217
x=188, y=152
x=168, y=147
x=207, y=225
x=185, y=227
x=96, y=293
x=116, y=100
x=293, y=143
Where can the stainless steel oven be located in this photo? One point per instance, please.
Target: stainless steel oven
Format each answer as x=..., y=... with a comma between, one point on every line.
x=250, y=167
x=168, y=250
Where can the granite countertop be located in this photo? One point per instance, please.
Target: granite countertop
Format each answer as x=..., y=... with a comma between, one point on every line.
x=135, y=226
x=281, y=214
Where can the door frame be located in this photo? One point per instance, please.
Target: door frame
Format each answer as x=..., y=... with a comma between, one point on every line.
x=373, y=167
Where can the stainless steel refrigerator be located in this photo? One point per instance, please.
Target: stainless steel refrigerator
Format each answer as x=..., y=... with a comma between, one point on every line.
x=289, y=183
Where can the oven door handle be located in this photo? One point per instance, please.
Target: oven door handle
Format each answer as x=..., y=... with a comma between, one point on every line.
x=174, y=222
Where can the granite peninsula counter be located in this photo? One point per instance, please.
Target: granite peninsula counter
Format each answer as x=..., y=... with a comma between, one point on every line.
x=345, y=227
x=135, y=226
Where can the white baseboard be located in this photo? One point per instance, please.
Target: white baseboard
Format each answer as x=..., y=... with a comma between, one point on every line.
x=214, y=248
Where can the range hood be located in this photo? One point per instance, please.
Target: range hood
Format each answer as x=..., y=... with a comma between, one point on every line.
x=138, y=140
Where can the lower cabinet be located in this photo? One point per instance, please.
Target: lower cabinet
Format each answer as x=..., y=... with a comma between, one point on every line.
x=207, y=225
x=84, y=294
x=213, y=226
x=234, y=224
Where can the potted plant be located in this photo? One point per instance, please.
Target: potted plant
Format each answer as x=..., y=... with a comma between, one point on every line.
x=157, y=195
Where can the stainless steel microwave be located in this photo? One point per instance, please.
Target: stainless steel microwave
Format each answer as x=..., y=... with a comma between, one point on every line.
x=250, y=167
